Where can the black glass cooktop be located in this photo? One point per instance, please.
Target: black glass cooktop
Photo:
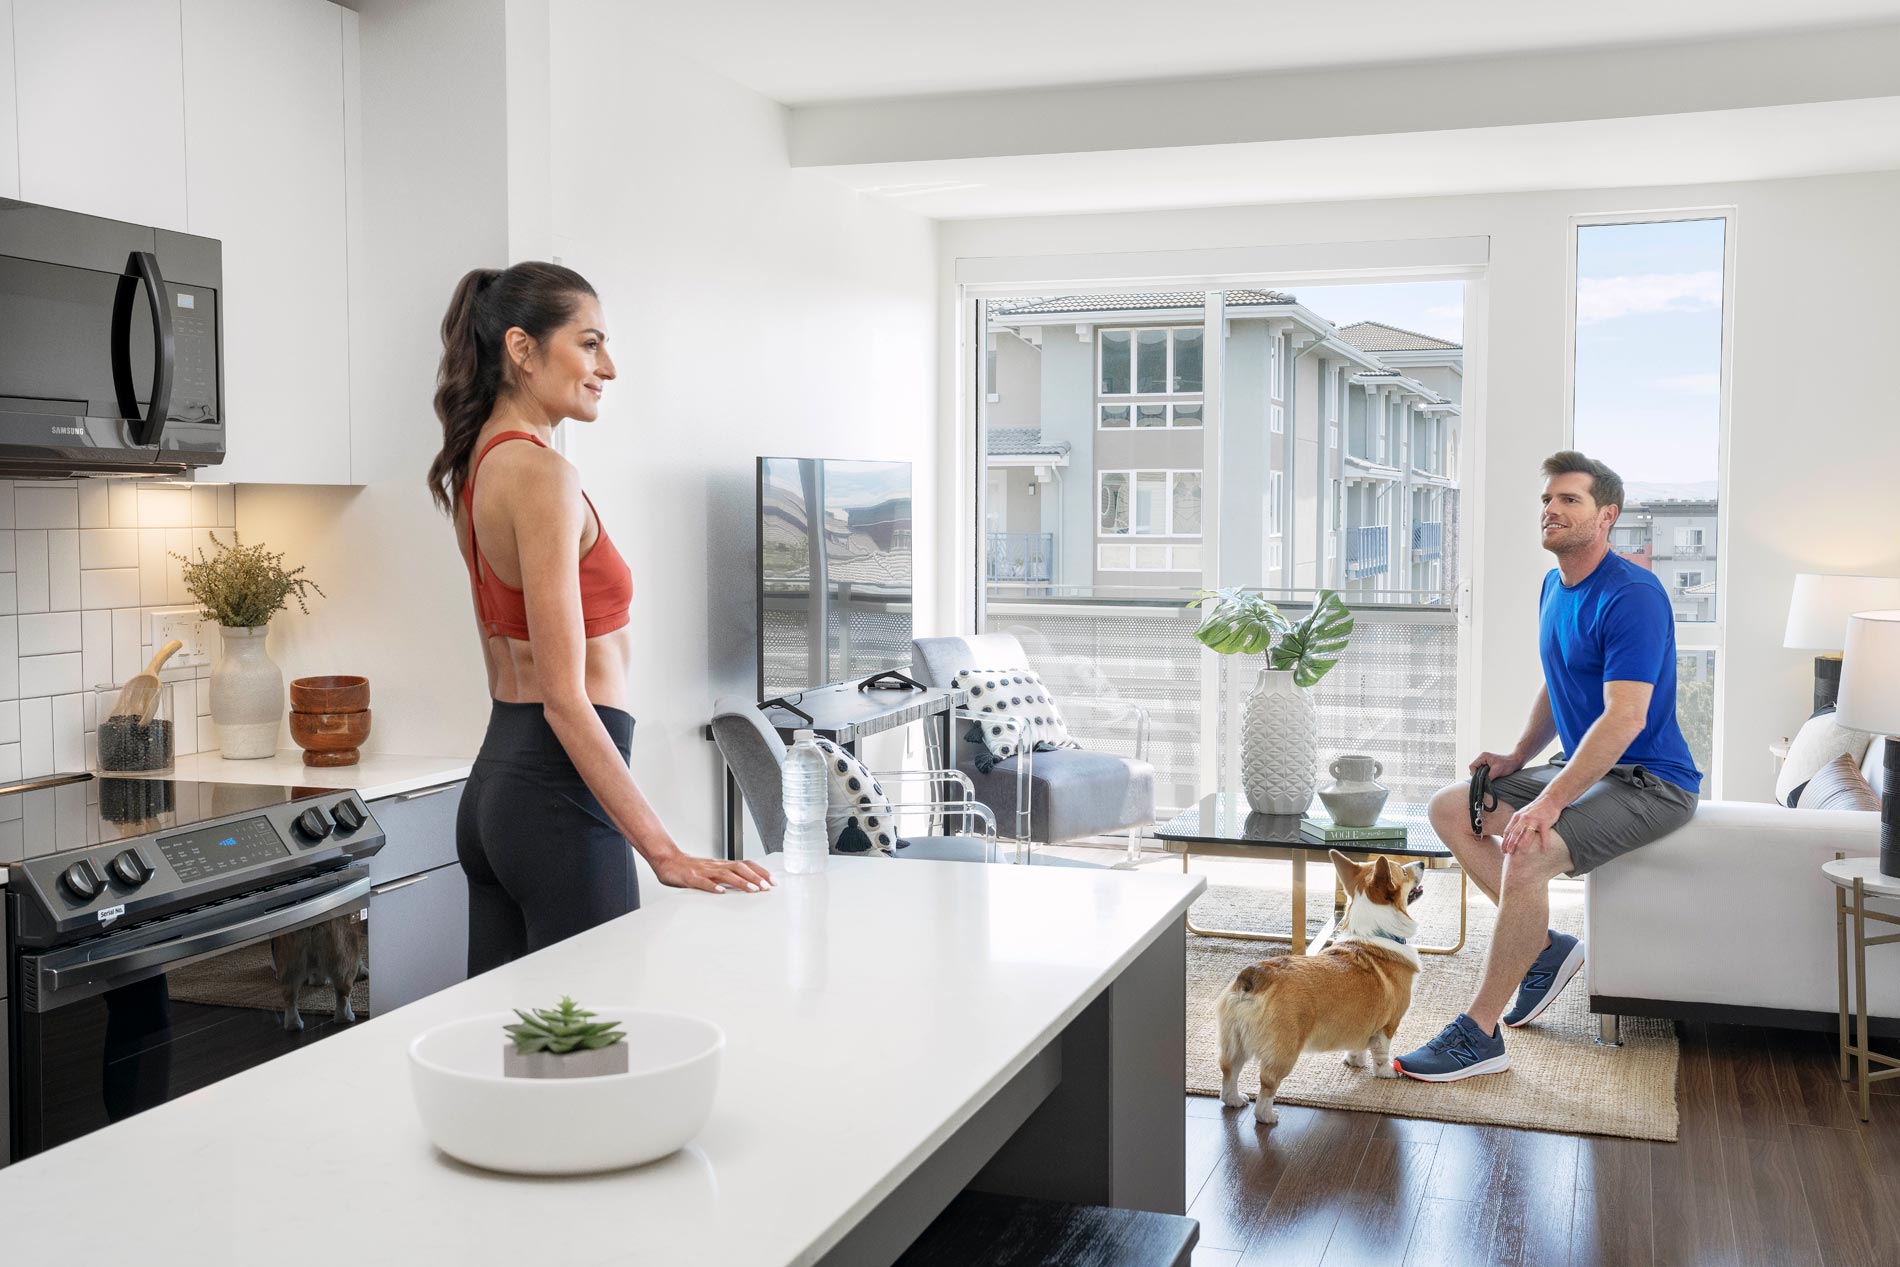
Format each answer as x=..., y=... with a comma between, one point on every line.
x=106, y=808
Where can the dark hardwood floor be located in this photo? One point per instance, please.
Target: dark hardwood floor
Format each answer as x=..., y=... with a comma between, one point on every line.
x=1772, y=1167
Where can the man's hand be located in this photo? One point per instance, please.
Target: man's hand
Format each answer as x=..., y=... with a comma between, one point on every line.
x=1528, y=828
x=1501, y=763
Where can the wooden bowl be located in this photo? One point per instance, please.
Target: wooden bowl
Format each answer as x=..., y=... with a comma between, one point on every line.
x=329, y=694
x=330, y=739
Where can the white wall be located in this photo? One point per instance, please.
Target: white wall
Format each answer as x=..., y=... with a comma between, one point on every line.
x=751, y=309
x=1812, y=444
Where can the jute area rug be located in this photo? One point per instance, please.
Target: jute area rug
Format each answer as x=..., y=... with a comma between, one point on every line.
x=1559, y=1079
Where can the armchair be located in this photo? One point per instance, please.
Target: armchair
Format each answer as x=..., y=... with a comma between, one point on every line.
x=1046, y=797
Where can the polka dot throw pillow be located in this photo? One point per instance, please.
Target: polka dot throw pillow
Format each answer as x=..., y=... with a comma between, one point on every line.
x=1014, y=709
x=858, y=816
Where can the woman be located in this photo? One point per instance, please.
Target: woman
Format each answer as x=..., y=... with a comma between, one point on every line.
x=550, y=805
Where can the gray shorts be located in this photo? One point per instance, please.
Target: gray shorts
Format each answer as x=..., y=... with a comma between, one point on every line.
x=1625, y=809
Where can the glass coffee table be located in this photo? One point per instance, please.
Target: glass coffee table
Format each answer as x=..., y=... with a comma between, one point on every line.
x=1223, y=825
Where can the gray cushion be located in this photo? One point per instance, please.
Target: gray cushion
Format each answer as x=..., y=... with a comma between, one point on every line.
x=1839, y=785
x=1072, y=792
x=755, y=754
x=936, y=660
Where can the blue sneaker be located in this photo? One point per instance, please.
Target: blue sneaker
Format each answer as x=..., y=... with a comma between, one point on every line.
x=1461, y=1050
x=1560, y=961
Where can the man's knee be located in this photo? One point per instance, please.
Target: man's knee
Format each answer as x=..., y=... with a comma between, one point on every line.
x=1533, y=867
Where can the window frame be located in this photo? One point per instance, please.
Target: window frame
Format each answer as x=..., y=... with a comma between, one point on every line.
x=1134, y=361
x=1168, y=534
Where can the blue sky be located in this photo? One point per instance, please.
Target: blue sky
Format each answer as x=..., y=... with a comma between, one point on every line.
x=1434, y=308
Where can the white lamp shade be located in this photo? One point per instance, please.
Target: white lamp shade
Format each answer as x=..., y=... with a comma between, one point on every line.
x=1870, y=673
x=1818, y=612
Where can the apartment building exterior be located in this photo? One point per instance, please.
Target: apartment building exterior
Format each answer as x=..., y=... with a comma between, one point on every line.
x=1339, y=461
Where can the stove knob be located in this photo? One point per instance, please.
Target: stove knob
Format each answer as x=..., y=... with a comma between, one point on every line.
x=81, y=881
x=313, y=825
x=348, y=814
x=130, y=869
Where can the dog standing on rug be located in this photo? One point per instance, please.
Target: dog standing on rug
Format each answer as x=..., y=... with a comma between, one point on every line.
x=1350, y=997
x=328, y=953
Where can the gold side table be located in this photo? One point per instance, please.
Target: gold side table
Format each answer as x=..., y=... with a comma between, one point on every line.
x=1856, y=880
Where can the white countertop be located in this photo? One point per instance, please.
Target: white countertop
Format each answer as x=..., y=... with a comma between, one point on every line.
x=377, y=774
x=869, y=1011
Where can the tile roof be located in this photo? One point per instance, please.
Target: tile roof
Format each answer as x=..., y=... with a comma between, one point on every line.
x=1377, y=336
x=1063, y=304
x=1024, y=442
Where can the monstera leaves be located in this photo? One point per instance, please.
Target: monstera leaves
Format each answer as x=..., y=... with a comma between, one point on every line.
x=1312, y=647
x=1237, y=622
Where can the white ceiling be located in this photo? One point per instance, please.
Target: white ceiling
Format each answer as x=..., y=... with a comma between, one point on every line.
x=1714, y=146
x=804, y=51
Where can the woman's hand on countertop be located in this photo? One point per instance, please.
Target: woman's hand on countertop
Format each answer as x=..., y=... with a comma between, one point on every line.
x=714, y=875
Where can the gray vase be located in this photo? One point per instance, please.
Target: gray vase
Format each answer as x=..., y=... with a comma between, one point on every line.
x=1356, y=796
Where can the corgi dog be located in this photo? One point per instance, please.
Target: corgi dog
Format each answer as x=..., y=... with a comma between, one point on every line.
x=1350, y=997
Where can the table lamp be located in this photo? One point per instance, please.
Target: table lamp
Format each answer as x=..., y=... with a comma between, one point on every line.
x=1870, y=701
x=1817, y=615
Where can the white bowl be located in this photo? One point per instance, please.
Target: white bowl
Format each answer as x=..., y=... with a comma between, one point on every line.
x=566, y=1126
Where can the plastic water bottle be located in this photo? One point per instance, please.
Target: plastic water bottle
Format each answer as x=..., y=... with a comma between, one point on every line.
x=804, y=790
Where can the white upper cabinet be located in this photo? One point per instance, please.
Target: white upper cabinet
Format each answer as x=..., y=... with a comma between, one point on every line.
x=9, y=126
x=101, y=108
x=265, y=164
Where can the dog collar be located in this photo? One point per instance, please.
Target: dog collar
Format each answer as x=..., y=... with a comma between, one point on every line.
x=1380, y=932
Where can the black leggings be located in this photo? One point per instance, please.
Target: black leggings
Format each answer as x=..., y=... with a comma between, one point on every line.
x=543, y=860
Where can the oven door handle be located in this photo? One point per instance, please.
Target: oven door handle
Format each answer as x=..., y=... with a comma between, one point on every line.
x=183, y=950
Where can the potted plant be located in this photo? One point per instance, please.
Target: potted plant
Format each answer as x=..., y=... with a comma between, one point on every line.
x=241, y=588
x=1279, y=738
x=563, y=1042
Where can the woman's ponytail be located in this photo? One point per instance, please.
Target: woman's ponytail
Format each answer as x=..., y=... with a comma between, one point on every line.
x=537, y=297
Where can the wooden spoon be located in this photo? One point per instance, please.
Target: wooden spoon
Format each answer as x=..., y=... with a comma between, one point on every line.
x=139, y=696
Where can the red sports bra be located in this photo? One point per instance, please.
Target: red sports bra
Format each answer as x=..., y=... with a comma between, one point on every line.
x=606, y=581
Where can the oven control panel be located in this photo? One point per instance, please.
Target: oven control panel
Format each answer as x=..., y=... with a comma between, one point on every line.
x=74, y=893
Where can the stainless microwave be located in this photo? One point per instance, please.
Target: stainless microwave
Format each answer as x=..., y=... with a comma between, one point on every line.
x=111, y=351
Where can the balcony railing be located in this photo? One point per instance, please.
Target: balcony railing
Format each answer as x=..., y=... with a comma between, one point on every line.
x=1368, y=551
x=1022, y=556
x=1428, y=540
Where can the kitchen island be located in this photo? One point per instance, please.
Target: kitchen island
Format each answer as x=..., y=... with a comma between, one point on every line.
x=894, y=1030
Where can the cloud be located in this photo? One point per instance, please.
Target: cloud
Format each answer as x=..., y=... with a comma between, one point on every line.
x=1691, y=384
x=1606, y=298
x=1447, y=321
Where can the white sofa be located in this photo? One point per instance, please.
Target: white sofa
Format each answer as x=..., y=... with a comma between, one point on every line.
x=1729, y=918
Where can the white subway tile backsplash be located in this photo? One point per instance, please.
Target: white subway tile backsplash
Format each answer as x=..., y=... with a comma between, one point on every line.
x=6, y=548
x=49, y=674
x=36, y=739
x=9, y=657
x=91, y=699
x=12, y=842
x=184, y=720
x=48, y=633
x=108, y=548
x=227, y=505
x=38, y=821
x=125, y=645
x=69, y=808
x=69, y=742
x=177, y=543
x=9, y=594
x=95, y=506
x=30, y=551
x=10, y=770
x=152, y=563
x=204, y=697
x=122, y=499
x=204, y=506
x=109, y=587
x=45, y=506
x=10, y=722
x=164, y=508
x=62, y=570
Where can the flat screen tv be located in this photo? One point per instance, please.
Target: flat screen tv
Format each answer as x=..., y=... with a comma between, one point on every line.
x=834, y=583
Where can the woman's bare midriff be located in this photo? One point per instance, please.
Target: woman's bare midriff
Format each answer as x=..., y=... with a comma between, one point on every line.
x=608, y=659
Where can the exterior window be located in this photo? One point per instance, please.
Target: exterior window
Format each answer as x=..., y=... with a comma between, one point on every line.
x=1277, y=419
x=1332, y=435
x=1150, y=361
x=1151, y=415
x=1276, y=491
x=1185, y=415
x=1688, y=580
x=1185, y=375
x=1688, y=541
x=1274, y=554
x=1150, y=503
x=1114, y=501
x=1185, y=509
x=1275, y=388
x=1117, y=347
x=1114, y=417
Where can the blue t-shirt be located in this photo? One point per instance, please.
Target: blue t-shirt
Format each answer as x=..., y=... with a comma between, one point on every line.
x=1615, y=625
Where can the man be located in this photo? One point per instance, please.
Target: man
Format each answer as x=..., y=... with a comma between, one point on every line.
x=1606, y=637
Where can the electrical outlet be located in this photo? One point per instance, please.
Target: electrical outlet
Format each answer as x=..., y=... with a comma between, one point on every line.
x=183, y=624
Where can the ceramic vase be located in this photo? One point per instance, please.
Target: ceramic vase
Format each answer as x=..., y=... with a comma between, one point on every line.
x=1279, y=745
x=247, y=695
x=1356, y=796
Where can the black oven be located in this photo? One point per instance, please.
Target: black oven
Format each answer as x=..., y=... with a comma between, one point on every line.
x=110, y=345
x=201, y=929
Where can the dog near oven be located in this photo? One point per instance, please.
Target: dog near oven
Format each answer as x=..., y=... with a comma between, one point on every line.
x=1350, y=997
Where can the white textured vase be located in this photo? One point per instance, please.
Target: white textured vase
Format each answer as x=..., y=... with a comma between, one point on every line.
x=1279, y=745
x=247, y=695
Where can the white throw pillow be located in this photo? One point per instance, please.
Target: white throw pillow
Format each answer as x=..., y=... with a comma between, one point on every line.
x=1819, y=741
x=856, y=799
x=1014, y=708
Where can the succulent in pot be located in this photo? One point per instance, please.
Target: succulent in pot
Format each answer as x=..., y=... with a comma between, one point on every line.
x=563, y=1042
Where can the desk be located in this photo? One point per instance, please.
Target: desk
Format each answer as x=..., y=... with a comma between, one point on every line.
x=844, y=715
x=1223, y=825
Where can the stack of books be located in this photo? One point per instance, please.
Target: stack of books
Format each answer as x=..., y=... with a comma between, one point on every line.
x=1326, y=831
